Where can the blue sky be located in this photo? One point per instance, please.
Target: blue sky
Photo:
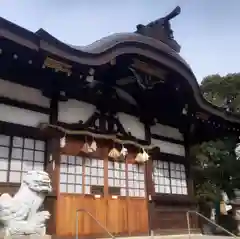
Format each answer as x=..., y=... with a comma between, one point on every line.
x=207, y=30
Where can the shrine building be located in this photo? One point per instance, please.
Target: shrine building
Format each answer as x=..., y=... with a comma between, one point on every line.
x=111, y=122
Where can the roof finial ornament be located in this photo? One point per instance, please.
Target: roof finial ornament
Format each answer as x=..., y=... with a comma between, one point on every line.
x=160, y=29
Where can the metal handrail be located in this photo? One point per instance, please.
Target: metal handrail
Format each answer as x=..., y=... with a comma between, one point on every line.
x=99, y=223
x=207, y=219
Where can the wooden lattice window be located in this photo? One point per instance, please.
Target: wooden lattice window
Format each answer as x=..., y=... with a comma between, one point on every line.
x=117, y=178
x=169, y=177
x=71, y=171
x=178, y=178
x=161, y=177
x=94, y=174
x=4, y=157
x=19, y=155
x=136, y=182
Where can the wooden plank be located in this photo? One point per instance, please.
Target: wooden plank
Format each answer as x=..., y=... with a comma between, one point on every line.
x=121, y=216
x=171, y=218
x=137, y=216
x=117, y=216
x=66, y=215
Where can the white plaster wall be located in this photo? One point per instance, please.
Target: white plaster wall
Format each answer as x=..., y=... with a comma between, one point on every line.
x=23, y=93
x=166, y=131
x=169, y=148
x=22, y=116
x=72, y=111
x=133, y=125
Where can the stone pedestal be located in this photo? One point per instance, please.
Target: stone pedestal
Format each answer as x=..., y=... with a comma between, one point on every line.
x=25, y=237
x=30, y=237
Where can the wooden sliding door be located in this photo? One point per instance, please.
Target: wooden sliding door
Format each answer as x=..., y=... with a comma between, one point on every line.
x=113, y=192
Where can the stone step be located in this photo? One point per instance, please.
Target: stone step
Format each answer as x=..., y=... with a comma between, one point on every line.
x=182, y=236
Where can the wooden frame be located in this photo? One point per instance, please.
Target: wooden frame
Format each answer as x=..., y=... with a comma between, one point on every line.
x=109, y=204
x=24, y=105
x=21, y=151
x=172, y=172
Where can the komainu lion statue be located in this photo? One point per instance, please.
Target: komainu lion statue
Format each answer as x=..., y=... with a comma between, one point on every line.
x=19, y=214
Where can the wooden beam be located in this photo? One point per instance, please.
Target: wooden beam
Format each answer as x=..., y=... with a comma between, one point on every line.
x=24, y=105
x=52, y=164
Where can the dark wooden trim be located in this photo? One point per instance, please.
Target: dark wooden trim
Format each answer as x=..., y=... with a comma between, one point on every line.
x=148, y=181
x=158, y=155
x=53, y=153
x=104, y=119
x=10, y=188
x=9, y=184
x=24, y=105
x=11, y=129
x=173, y=199
x=13, y=188
x=82, y=127
x=189, y=176
x=9, y=157
x=147, y=133
x=54, y=108
x=177, y=208
x=52, y=195
x=167, y=139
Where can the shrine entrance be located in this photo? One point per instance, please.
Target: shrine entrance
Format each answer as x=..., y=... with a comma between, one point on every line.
x=113, y=192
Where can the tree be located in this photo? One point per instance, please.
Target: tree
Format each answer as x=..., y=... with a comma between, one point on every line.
x=214, y=163
x=222, y=91
x=218, y=156
x=215, y=169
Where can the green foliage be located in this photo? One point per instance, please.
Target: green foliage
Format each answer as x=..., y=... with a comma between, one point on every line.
x=214, y=162
x=217, y=89
x=215, y=168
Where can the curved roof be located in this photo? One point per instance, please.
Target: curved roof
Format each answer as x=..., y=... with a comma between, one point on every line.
x=111, y=41
x=108, y=48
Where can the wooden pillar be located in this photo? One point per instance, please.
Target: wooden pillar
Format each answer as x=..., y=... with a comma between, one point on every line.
x=53, y=168
x=149, y=181
x=188, y=135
